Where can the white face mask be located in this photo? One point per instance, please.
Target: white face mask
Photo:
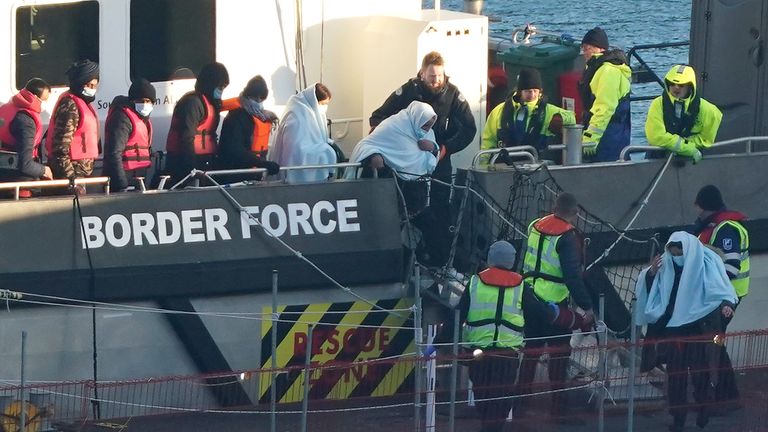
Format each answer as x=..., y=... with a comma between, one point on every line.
x=323, y=109
x=217, y=92
x=144, y=109
x=89, y=92
x=678, y=260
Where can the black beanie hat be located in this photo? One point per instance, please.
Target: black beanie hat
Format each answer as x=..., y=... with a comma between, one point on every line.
x=81, y=72
x=141, y=89
x=256, y=88
x=709, y=198
x=596, y=37
x=528, y=78
x=211, y=76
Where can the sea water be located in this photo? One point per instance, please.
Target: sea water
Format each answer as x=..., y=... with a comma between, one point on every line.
x=627, y=22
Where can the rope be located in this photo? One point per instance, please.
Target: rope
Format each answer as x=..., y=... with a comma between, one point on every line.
x=296, y=253
x=643, y=204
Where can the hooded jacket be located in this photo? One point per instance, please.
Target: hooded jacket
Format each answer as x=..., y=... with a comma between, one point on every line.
x=696, y=126
x=605, y=89
x=21, y=131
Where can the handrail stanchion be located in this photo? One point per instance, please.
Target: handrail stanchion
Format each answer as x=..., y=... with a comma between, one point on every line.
x=602, y=376
x=307, y=378
x=572, y=138
x=454, y=371
x=632, y=365
x=419, y=352
x=273, y=387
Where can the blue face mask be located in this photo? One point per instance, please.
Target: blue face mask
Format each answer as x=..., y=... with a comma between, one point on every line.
x=678, y=260
x=217, y=93
x=144, y=109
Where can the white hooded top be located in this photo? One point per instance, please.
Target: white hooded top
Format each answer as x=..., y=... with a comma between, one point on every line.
x=302, y=139
x=396, y=140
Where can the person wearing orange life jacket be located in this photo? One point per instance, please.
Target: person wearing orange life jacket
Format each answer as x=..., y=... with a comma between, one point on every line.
x=192, y=140
x=553, y=265
x=128, y=135
x=246, y=129
x=491, y=309
x=21, y=131
x=73, y=132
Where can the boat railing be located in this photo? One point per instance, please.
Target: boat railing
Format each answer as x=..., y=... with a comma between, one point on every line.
x=47, y=184
x=745, y=141
x=345, y=122
x=195, y=173
x=644, y=73
x=527, y=152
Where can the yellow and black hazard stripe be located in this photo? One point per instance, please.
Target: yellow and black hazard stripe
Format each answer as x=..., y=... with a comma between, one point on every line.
x=351, y=333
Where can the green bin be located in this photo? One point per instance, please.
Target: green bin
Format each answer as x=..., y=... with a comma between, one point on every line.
x=551, y=57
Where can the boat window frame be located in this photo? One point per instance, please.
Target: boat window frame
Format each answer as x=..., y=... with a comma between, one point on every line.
x=140, y=51
x=53, y=68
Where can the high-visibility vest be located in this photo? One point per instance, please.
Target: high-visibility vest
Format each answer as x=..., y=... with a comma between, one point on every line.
x=85, y=142
x=741, y=281
x=541, y=265
x=487, y=324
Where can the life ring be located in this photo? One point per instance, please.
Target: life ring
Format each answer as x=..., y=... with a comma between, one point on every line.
x=12, y=413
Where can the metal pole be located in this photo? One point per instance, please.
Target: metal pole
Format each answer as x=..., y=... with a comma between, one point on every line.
x=454, y=371
x=602, y=374
x=572, y=135
x=419, y=352
x=307, y=377
x=632, y=363
x=273, y=374
x=22, y=396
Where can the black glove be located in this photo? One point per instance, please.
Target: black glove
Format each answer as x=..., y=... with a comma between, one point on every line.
x=271, y=167
x=503, y=156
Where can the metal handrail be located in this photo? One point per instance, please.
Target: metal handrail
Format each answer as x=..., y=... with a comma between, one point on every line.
x=626, y=151
x=530, y=150
x=196, y=172
x=346, y=122
x=44, y=184
x=742, y=140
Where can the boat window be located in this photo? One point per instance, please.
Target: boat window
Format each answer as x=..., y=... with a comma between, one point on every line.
x=50, y=37
x=177, y=38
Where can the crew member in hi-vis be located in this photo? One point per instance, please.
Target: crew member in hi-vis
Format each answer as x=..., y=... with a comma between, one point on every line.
x=491, y=310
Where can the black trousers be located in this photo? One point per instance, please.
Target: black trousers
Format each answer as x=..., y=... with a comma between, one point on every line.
x=559, y=349
x=684, y=357
x=726, y=389
x=493, y=377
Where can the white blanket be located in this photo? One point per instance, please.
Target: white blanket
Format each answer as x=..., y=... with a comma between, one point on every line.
x=396, y=140
x=703, y=286
x=302, y=139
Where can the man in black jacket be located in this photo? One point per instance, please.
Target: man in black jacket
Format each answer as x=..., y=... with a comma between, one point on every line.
x=245, y=131
x=455, y=129
x=21, y=131
x=128, y=135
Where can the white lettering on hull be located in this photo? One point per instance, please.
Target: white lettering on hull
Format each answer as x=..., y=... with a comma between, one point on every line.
x=210, y=224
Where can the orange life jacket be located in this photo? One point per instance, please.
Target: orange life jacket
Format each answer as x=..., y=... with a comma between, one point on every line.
x=260, y=139
x=138, y=148
x=85, y=142
x=205, y=134
x=27, y=102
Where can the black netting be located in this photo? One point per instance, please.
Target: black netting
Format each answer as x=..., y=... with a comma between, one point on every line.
x=613, y=259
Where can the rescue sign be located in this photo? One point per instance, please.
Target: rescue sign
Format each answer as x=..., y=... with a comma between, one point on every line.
x=353, y=334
